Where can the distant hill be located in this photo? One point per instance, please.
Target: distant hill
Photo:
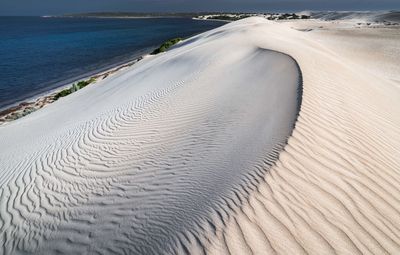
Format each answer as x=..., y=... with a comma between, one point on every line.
x=130, y=15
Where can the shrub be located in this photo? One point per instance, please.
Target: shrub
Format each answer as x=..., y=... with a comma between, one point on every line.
x=165, y=46
x=83, y=84
x=63, y=93
x=73, y=88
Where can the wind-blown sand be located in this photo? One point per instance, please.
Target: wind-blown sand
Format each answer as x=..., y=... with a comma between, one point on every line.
x=174, y=155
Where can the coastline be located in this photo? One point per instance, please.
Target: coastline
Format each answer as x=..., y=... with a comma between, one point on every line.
x=65, y=68
x=38, y=99
x=58, y=85
x=24, y=107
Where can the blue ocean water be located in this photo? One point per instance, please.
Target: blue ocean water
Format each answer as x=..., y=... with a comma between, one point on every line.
x=39, y=54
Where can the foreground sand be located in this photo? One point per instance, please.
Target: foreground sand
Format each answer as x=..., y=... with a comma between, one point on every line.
x=139, y=161
x=203, y=145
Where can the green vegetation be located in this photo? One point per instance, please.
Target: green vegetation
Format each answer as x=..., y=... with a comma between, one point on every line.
x=165, y=46
x=229, y=18
x=269, y=16
x=73, y=88
x=62, y=93
x=82, y=84
x=287, y=16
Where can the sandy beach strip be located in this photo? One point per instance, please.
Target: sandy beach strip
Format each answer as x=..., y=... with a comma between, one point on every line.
x=28, y=106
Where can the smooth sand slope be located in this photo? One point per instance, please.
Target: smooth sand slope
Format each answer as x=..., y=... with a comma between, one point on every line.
x=152, y=159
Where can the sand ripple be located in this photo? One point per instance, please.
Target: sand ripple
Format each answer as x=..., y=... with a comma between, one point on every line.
x=335, y=187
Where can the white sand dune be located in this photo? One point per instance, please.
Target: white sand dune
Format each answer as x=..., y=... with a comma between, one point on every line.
x=174, y=155
x=137, y=163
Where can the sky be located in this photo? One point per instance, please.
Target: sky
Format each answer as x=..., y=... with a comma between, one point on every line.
x=54, y=7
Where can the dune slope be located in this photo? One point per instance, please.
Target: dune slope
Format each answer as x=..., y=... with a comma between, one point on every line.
x=151, y=159
x=335, y=187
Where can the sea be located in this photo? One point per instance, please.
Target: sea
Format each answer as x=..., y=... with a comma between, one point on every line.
x=39, y=54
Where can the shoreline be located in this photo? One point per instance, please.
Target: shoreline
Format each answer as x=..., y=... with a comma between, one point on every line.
x=24, y=107
x=70, y=81
x=34, y=103
x=33, y=98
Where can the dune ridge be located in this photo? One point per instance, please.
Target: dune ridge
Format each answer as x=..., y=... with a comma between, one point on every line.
x=139, y=163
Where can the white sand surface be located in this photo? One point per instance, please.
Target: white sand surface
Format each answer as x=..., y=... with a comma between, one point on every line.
x=139, y=162
x=173, y=156
x=335, y=187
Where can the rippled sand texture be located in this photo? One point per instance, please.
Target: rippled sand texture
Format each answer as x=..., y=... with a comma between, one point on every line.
x=335, y=188
x=154, y=159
